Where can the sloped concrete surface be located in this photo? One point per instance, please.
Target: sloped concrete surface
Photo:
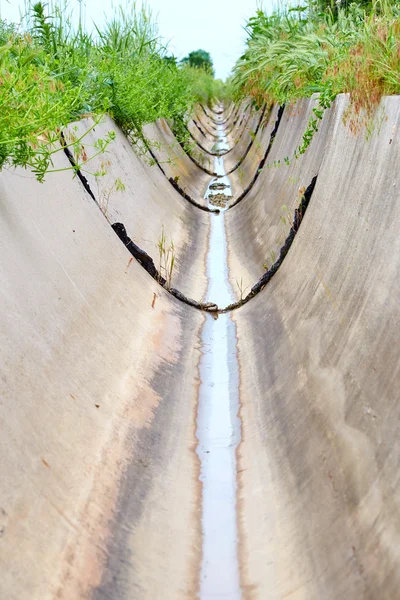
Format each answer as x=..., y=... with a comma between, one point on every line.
x=93, y=365
x=106, y=377
x=148, y=205
x=320, y=393
x=262, y=220
x=235, y=153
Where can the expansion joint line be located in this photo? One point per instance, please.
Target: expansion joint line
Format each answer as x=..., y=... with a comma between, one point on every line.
x=263, y=160
x=204, y=149
x=147, y=262
x=251, y=143
x=175, y=184
x=195, y=161
x=226, y=152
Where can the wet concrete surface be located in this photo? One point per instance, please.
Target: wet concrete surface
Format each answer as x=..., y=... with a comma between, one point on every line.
x=218, y=424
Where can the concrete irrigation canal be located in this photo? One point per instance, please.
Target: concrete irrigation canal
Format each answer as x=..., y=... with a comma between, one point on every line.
x=200, y=368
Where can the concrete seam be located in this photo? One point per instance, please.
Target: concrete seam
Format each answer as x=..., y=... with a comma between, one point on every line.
x=263, y=160
x=74, y=164
x=147, y=262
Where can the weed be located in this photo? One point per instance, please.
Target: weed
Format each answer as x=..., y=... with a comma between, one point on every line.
x=272, y=256
x=166, y=259
x=286, y=217
x=106, y=192
x=301, y=51
x=240, y=173
x=242, y=290
x=53, y=73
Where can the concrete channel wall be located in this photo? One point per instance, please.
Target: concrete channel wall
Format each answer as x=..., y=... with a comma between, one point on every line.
x=102, y=369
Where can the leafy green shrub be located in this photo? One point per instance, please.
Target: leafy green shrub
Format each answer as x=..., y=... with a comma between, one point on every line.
x=34, y=103
x=52, y=73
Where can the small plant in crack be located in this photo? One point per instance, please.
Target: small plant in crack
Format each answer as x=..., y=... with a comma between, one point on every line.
x=286, y=217
x=166, y=255
x=241, y=288
x=144, y=147
x=106, y=192
x=298, y=215
x=104, y=165
x=272, y=257
x=71, y=141
x=240, y=175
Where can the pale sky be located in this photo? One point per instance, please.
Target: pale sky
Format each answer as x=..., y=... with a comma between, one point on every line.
x=213, y=25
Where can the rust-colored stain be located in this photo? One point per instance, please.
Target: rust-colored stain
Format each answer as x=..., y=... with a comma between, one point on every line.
x=331, y=479
x=154, y=300
x=46, y=464
x=128, y=265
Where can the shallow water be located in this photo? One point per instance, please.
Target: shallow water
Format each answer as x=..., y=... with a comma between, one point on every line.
x=218, y=424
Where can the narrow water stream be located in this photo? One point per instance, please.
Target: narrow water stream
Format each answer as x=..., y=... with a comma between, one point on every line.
x=218, y=424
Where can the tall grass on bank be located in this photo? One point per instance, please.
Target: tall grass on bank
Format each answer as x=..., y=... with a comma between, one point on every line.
x=298, y=52
x=52, y=73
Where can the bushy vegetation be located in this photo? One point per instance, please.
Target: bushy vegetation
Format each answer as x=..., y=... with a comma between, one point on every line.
x=295, y=53
x=52, y=73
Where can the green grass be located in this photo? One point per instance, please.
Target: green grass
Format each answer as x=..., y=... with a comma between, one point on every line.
x=297, y=52
x=52, y=73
